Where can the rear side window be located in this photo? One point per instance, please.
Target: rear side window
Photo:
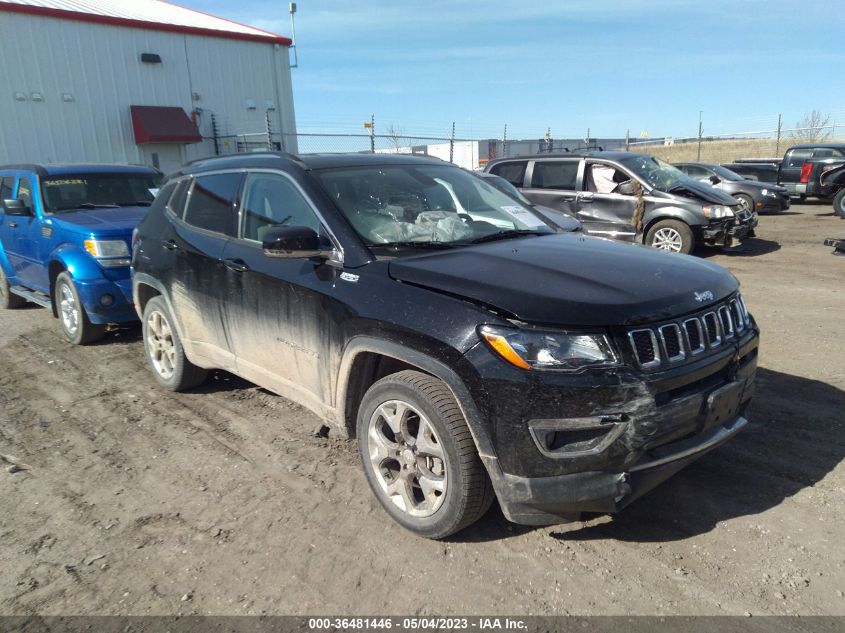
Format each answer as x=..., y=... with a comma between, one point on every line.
x=212, y=203
x=798, y=157
x=514, y=173
x=176, y=204
x=557, y=174
x=162, y=197
x=7, y=184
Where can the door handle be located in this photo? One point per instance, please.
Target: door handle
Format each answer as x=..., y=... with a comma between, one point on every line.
x=585, y=199
x=13, y=225
x=170, y=245
x=236, y=265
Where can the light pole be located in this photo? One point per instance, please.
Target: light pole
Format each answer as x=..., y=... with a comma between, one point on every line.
x=699, y=135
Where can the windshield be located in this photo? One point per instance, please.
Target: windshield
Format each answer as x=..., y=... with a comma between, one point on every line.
x=726, y=174
x=77, y=191
x=425, y=204
x=660, y=175
x=507, y=187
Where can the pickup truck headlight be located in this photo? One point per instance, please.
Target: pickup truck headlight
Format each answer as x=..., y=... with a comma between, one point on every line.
x=108, y=252
x=106, y=248
x=717, y=212
x=548, y=350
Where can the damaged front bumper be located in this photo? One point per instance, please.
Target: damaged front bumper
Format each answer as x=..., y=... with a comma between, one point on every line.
x=550, y=500
x=566, y=445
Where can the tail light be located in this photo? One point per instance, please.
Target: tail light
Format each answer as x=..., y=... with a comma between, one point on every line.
x=806, y=168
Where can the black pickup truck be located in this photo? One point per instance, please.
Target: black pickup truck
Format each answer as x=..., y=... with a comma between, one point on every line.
x=815, y=170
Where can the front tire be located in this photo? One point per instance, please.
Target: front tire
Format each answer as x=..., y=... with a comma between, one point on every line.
x=746, y=201
x=8, y=301
x=671, y=235
x=76, y=326
x=419, y=456
x=164, y=352
x=839, y=203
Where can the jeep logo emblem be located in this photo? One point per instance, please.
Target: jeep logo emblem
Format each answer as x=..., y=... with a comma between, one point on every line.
x=701, y=297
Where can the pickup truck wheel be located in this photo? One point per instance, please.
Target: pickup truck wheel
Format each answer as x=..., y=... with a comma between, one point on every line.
x=76, y=326
x=164, y=352
x=8, y=301
x=671, y=235
x=419, y=456
x=839, y=203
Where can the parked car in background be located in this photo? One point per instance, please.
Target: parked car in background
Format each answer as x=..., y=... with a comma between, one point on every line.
x=64, y=241
x=754, y=195
x=804, y=170
x=561, y=219
x=761, y=169
x=471, y=358
x=600, y=190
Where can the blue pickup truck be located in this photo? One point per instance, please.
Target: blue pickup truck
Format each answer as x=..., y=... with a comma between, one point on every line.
x=65, y=233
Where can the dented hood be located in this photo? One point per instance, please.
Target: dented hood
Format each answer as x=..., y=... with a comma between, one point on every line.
x=570, y=280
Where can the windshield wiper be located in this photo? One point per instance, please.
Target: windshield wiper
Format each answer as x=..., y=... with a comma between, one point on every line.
x=505, y=235
x=139, y=203
x=412, y=244
x=88, y=205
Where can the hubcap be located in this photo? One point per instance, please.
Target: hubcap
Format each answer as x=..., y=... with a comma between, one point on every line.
x=160, y=345
x=69, y=310
x=407, y=458
x=668, y=239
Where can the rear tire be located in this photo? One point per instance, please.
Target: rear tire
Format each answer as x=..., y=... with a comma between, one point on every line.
x=164, y=352
x=839, y=203
x=76, y=326
x=8, y=301
x=671, y=235
x=419, y=456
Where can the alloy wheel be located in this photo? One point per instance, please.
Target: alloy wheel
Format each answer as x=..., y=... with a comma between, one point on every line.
x=668, y=239
x=69, y=310
x=160, y=345
x=407, y=458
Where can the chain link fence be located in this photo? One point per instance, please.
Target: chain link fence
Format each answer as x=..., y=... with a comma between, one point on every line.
x=474, y=153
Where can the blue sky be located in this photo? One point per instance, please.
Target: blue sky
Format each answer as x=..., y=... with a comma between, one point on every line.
x=607, y=65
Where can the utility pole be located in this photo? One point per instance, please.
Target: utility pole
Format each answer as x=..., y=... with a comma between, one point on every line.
x=505, y=141
x=452, y=144
x=373, y=134
x=700, y=130
x=627, y=139
x=777, y=145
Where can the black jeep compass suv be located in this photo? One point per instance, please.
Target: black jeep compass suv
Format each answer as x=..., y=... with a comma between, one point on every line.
x=472, y=349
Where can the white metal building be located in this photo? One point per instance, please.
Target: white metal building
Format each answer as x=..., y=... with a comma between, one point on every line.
x=135, y=81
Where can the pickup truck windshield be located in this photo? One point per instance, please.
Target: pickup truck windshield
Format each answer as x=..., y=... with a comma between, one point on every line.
x=408, y=205
x=660, y=175
x=81, y=191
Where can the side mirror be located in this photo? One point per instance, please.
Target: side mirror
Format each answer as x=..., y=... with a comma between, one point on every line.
x=16, y=206
x=715, y=179
x=293, y=242
x=625, y=188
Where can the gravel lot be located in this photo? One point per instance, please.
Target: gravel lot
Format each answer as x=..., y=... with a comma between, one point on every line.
x=137, y=501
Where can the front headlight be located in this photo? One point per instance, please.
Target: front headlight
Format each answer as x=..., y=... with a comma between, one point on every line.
x=717, y=212
x=548, y=350
x=106, y=248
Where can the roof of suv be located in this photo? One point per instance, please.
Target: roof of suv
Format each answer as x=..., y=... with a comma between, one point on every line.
x=576, y=154
x=305, y=161
x=64, y=169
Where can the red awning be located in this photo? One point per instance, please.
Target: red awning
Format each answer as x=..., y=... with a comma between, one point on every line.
x=159, y=124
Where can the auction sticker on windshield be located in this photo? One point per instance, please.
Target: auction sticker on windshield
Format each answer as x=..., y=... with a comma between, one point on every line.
x=522, y=215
